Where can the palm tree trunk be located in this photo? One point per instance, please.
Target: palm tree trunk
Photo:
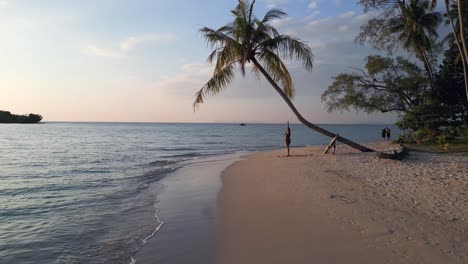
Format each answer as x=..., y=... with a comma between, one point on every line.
x=457, y=41
x=302, y=119
x=462, y=37
x=428, y=66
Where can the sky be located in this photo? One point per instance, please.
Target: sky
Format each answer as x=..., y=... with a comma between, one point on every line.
x=143, y=60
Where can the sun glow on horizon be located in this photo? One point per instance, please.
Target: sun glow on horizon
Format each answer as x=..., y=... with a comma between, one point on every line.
x=143, y=61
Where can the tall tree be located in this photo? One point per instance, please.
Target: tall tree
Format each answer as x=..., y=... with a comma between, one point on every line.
x=407, y=22
x=385, y=85
x=456, y=10
x=251, y=40
x=416, y=29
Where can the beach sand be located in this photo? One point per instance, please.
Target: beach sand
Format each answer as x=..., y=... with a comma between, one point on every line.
x=346, y=208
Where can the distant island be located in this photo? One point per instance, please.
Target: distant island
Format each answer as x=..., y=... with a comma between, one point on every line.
x=8, y=117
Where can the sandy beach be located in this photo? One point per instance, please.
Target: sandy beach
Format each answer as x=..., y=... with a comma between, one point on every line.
x=347, y=208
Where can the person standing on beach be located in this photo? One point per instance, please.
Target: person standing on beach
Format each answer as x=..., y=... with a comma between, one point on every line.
x=383, y=134
x=388, y=131
x=287, y=138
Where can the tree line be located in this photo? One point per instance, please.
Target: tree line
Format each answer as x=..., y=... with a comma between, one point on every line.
x=8, y=117
x=430, y=97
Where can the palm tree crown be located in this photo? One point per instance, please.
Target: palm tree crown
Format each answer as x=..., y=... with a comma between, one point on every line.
x=416, y=28
x=248, y=40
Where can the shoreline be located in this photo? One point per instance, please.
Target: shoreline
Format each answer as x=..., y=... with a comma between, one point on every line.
x=188, y=209
x=347, y=208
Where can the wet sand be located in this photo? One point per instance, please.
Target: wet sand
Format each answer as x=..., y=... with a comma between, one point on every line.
x=188, y=208
x=347, y=208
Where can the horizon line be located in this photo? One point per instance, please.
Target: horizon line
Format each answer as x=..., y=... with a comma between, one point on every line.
x=214, y=122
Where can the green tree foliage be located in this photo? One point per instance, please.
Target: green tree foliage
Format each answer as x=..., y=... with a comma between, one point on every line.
x=399, y=85
x=385, y=85
x=432, y=117
x=445, y=105
x=450, y=80
x=416, y=29
x=248, y=39
x=457, y=17
x=7, y=117
x=453, y=38
x=410, y=23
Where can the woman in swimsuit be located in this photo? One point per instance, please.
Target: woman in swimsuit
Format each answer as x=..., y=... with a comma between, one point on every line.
x=287, y=138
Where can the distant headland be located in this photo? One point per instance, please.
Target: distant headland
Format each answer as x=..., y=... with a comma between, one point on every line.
x=8, y=117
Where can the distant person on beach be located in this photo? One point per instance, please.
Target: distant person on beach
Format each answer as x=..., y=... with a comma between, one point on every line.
x=287, y=138
x=384, y=133
x=334, y=144
x=388, y=131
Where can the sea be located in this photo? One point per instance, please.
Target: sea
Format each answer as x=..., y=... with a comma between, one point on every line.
x=88, y=192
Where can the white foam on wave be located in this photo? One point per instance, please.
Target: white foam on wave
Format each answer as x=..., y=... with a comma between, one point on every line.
x=146, y=239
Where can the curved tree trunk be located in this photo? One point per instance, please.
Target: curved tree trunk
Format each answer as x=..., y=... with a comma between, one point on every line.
x=428, y=66
x=302, y=119
x=462, y=37
x=457, y=41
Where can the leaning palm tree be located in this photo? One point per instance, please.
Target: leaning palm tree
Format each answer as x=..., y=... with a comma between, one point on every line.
x=251, y=40
x=416, y=28
x=458, y=11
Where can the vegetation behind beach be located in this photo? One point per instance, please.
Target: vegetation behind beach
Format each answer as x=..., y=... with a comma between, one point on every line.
x=429, y=96
x=8, y=117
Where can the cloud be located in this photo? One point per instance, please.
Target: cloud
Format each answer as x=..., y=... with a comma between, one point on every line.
x=282, y=22
x=337, y=2
x=3, y=3
x=131, y=42
x=91, y=49
x=312, y=5
x=312, y=15
x=341, y=28
x=275, y=3
x=128, y=45
x=332, y=42
x=192, y=76
x=347, y=15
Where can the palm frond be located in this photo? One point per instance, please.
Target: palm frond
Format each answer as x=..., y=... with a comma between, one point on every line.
x=216, y=38
x=273, y=14
x=216, y=84
x=247, y=39
x=293, y=48
x=231, y=53
x=277, y=70
x=213, y=55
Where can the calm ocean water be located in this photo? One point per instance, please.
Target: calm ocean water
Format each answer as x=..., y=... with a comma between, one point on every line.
x=78, y=192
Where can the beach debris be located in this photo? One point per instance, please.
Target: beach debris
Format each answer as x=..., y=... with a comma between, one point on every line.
x=340, y=197
x=331, y=145
x=397, y=154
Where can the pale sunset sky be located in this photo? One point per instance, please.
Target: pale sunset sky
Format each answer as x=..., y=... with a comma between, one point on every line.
x=143, y=60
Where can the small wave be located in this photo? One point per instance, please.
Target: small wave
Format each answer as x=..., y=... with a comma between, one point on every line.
x=142, y=186
x=177, y=149
x=159, y=224
x=157, y=172
x=153, y=175
x=45, y=189
x=161, y=163
x=185, y=155
x=85, y=171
